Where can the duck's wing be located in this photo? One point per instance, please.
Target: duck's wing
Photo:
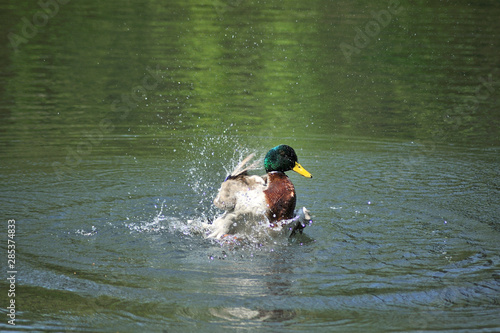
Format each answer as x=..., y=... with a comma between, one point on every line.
x=241, y=169
x=231, y=189
x=238, y=181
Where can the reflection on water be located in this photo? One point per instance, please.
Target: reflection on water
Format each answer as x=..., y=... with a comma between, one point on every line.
x=429, y=74
x=118, y=123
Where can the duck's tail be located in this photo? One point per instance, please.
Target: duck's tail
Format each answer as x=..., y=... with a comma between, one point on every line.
x=242, y=169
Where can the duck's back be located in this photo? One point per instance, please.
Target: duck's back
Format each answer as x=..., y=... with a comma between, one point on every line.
x=237, y=192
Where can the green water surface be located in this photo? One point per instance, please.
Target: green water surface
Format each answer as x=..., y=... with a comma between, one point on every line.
x=119, y=120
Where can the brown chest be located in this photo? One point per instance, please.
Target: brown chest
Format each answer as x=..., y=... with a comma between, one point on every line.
x=280, y=196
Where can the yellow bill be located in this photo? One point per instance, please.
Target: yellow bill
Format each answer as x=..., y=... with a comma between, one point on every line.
x=300, y=170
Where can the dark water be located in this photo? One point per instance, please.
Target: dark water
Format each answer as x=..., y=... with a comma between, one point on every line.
x=118, y=124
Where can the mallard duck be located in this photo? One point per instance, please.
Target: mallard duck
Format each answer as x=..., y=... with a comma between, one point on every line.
x=251, y=201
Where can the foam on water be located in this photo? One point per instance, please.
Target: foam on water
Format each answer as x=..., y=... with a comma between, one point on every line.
x=197, y=226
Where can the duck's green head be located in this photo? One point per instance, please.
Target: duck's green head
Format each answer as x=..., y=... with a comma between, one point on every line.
x=283, y=158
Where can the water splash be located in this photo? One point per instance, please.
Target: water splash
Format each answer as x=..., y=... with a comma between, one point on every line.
x=92, y=232
x=209, y=160
x=160, y=223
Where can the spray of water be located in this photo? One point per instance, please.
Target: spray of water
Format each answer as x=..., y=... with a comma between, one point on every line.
x=209, y=160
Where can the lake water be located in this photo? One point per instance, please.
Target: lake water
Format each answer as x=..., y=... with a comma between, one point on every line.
x=118, y=124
